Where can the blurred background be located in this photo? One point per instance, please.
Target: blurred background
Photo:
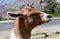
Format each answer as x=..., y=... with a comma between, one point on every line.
x=49, y=6
x=50, y=30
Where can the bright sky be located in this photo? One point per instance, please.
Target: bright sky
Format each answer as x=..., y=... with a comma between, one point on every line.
x=7, y=1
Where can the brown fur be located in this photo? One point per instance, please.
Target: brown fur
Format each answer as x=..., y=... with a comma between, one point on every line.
x=24, y=24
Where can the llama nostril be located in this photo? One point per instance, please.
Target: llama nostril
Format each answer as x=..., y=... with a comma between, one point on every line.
x=49, y=16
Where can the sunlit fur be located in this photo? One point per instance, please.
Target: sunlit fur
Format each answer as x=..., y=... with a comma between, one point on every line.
x=24, y=24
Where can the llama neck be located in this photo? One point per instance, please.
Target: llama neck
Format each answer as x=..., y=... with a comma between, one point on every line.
x=20, y=29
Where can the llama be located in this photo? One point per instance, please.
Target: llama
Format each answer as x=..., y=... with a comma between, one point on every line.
x=27, y=19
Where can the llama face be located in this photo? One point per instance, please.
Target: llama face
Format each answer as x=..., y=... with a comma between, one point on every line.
x=26, y=20
x=32, y=16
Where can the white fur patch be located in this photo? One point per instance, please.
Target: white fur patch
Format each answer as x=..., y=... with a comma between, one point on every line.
x=45, y=17
x=12, y=36
x=25, y=12
x=24, y=9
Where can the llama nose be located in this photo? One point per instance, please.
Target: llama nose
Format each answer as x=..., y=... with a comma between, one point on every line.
x=49, y=16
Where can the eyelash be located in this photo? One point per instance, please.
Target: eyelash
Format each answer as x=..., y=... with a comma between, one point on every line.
x=34, y=14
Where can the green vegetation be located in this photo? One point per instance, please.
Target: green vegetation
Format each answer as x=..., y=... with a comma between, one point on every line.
x=37, y=33
x=54, y=36
x=2, y=18
x=52, y=7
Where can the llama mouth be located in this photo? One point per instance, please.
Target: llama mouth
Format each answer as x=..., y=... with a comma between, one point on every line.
x=48, y=20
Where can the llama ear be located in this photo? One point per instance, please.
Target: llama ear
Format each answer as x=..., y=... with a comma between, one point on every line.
x=14, y=14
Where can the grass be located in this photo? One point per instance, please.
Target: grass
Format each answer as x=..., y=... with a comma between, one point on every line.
x=4, y=19
x=52, y=36
x=37, y=33
x=4, y=37
x=55, y=15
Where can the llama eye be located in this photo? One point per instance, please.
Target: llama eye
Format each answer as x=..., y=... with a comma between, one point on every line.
x=34, y=14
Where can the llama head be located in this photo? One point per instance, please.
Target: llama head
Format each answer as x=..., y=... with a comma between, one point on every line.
x=32, y=16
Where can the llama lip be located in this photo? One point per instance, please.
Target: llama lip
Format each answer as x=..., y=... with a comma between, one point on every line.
x=48, y=20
